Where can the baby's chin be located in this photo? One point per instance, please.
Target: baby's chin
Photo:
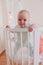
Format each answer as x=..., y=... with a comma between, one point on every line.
x=22, y=26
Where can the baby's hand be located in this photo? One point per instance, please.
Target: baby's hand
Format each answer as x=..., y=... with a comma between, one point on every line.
x=30, y=29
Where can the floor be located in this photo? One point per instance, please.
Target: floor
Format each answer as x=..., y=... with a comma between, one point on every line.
x=3, y=58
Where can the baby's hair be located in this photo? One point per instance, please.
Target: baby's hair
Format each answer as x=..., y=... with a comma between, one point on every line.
x=24, y=11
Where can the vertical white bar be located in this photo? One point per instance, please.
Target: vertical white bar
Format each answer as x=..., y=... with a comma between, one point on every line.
x=33, y=44
x=21, y=46
x=36, y=48
x=15, y=45
x=11, y=47
x=42, y=49
x=42, y=55
x=8, y=9
x=28, y=48
x=10, y=16
x=6, y=46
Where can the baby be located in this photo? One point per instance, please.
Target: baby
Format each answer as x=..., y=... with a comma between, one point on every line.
x=24, y=19
x=24, y=22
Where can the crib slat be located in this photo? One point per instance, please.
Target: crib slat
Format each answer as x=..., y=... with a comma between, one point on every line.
x=36, y=48
x=42, y=55
x=21, y=47
x=28, y=48
x=6, y=46
x=11, y=51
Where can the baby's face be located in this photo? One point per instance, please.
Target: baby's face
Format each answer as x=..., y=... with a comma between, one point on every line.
x=23, y=19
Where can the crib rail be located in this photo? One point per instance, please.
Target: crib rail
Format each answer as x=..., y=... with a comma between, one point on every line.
x=36, y=37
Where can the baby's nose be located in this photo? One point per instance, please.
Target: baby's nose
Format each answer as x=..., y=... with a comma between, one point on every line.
x=22, y=21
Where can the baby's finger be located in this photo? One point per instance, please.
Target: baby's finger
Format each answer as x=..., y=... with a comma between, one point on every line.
x=30, y=29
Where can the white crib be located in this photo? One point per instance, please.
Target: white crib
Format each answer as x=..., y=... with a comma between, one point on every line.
x=10, y=42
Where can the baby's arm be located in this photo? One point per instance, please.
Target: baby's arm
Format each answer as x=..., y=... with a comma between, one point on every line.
x=33, y=27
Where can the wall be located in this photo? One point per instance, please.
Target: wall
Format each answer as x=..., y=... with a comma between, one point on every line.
x=36, y=10
x=35, y=7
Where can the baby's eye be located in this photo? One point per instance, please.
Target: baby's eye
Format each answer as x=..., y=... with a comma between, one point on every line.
x=19, y=19
x=24, y=19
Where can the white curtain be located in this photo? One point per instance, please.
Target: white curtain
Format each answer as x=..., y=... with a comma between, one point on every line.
x=2, y=45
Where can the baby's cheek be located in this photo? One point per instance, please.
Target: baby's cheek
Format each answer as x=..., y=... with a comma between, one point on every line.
x=26, y=22
x=19, y=23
